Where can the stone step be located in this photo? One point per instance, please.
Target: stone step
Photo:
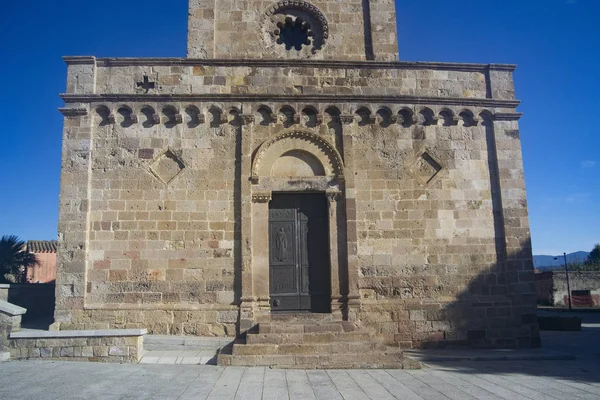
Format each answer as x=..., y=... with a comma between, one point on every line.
x=371, y=360
x=306, y=327
x=4, y=356
x=300, y=317
x=183, y=343
x=308, y=348
x=325, y=337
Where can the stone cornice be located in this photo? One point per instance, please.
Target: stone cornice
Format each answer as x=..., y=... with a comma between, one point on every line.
x=73, y=112
x=108, y=62
x=75, y=60
x=315, y=98
x=508, y=116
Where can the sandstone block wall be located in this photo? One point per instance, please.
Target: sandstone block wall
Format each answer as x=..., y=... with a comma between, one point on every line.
x=169, y=166
x=156, y=195
x=357, y=29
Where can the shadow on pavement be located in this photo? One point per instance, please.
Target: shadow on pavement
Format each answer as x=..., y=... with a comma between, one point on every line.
x=573, y=356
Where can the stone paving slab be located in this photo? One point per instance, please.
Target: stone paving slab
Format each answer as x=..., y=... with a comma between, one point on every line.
x=190, y=357
x=466, y=354
x=464, y=380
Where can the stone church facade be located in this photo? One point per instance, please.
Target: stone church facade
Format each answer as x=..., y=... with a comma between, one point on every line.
x=292, y=165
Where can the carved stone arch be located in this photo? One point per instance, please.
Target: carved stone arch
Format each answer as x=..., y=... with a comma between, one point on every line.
x=234, y=115
x=127, y=116
x=333, y=111
x=172, y=116
x=216, y=115
x=105, y=114
x=406, y=117
x=365, y=115
x=265, y=115
x=487, y=117
x=193, y=115
x=288, y=115
x=149, y=115
x=385, y=117
x=311, y=116
x=468, y=118
x=448, y=117
x=426, y=116
x=297, y=141
x=331, y=114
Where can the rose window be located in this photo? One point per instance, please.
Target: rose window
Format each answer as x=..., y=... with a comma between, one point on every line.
x=294, y=29
x=293, y=34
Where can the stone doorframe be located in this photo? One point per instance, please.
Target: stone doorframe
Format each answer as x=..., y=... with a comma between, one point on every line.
x=255, y=300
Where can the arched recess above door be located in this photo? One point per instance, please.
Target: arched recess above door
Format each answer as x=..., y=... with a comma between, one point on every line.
x=305, y=147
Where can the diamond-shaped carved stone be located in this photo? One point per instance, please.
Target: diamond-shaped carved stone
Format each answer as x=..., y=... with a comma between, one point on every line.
x=167, y=166
x=426, y=168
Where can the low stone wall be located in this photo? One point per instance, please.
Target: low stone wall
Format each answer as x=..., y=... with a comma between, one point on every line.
x=10, y=321
x=551, y=287
x=544, y=288
x=113, y=346
x=38, y=299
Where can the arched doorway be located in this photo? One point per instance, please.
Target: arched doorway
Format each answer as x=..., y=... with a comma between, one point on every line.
x=297, y=182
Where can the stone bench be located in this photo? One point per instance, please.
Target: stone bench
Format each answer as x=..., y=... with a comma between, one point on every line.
x=111, y=345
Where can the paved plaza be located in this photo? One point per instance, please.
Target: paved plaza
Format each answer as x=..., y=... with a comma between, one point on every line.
x=456, y=380
x=576, y=376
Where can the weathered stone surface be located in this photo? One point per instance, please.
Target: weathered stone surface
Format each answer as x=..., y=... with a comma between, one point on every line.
x=169, y=166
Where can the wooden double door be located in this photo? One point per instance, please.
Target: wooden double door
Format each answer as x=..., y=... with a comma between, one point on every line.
x=299, y=265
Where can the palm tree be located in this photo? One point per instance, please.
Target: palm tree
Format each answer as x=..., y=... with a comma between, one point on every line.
x=14, y=259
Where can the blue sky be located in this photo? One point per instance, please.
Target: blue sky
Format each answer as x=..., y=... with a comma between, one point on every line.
x=556, y=44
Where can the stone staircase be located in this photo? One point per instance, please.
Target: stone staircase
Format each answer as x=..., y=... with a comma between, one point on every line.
x=309, y=342
x=159, y=349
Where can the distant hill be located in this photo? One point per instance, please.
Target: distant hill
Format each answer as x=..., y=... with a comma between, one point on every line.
x=543, y=262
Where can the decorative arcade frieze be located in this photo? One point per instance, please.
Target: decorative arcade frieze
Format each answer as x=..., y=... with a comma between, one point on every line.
x=285, y=114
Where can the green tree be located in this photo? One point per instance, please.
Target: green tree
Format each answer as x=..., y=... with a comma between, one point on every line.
x=594, y=256
x=14, y=259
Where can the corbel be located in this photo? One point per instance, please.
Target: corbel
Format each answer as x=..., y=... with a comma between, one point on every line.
x=347, y=119
x=248, y=119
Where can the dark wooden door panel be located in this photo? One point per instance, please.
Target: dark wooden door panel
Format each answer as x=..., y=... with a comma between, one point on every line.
x=298, y=253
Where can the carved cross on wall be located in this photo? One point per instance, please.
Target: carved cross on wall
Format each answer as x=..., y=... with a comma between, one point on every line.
x=146, y=84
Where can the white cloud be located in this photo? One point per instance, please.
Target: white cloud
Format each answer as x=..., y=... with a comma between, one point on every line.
x=577, y=198
x=588, y=164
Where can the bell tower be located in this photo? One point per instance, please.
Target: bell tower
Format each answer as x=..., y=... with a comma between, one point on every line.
x=351, y=30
